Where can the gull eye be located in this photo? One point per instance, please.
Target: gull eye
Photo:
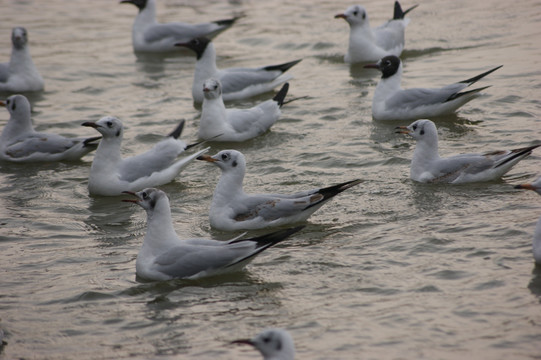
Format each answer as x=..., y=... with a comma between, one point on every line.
x=266, y=340
x=144, y=195
x=414, y=127
x=225, y=157
x=195, y=41
x=109, y=124
x=355, y=13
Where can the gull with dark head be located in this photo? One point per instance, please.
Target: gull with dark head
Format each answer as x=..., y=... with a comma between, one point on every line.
x=165, y=256
x=391, y=102
x=237, y=83
x=19, y=141
x=233, y=209
x=536, y=244
x=428, y=167
x=150, y=36
x=20, y=74
x=371, y=44
x=110, y=174
x=273, y=344
x=236, y=124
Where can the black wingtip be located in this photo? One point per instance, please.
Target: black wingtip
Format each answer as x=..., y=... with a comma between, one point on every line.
x=480, y=76
x=398, y=13
x=91, y=142
x=332, y=191
x=228, y=22
x=279, y=98
x=273, y=237
x=178, y=130
x=459, y=94
x=521, y=152
x=282, y=67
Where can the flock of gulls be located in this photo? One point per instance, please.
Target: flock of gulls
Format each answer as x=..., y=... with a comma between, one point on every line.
x=164, y=255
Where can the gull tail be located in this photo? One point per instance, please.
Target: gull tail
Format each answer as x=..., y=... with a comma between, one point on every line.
x=398, y=13
x=282, y=67
x=178, y=130
x=479, y=77
x=266, y=241
x=328, y=193
x=516, y=154
x=279, y=98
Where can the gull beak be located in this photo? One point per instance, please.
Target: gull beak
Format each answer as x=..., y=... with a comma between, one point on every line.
x=182, y=44
x=2, y=103
x=402, y=130
x=90, y=124
x=525, y=186
x=206, y=158
x=372, y=66
x=205, y=89
x=340, y=16
x=130, y=200
x=243, y=341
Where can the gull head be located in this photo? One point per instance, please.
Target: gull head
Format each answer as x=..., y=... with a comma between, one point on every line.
x=18, y=106
x=108, y=126
x=212, y=89
x=19, y=37
x=355, y=15
x=534, y=186
x=273, y=344
x=389, y=65
x=198, y=45
x=420, y=130
x=148, y=199
x=141, y=4
x=227, y=160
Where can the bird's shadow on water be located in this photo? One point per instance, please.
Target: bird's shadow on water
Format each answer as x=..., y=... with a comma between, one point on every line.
x=535, y=282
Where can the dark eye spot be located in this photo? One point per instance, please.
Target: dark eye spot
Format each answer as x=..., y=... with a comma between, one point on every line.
x=144, y=195
x=278, y=345
x=117, y=133
x=225, y=157
x=414, y=127
x=364, y=15
x=234, y=164
x=266, y=340
x=109, y=124
x=422, y=132
x=14, y=106
x=355, y=13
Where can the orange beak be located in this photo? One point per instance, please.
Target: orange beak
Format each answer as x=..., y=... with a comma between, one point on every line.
x=206, y=158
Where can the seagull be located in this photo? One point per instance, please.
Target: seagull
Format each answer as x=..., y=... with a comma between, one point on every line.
x=110, y=174
x=19, y=141
x=237, y=83
x=164, y=256
x=428, y=167
x=233, y=209
x=150, y=36
x=20, y=73
x=393, y=103
x=367, y=44
x=536, y=244
x=236, y=124
x=273, y=344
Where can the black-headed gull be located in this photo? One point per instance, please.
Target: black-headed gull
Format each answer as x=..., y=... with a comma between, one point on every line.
x=273, y=344
x=391, y=102
x=233, y=209
x=237, y=83
x=236, y=124
x=536, y=244
x=371, y=44
x=164, y=256
x=19, y=141
x=20, y=73
x=110, y=174
x=150, y=36
x=428, y=167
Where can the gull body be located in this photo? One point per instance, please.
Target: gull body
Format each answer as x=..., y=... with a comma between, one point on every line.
x=110, y=174
x=20, y=74
x=165, y=256
x=236, y=124
x=237, y=83
x=150, y=36
x=273, y=344
x=368, y=44
x=19, y=141
x=233, y=209
x=391, y=102
x=428, y=167
x=536, y=244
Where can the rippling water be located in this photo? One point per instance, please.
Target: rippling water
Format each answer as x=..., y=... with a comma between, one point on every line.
x=389, y=270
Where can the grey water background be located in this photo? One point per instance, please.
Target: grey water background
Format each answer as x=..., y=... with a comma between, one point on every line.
x=390, y=269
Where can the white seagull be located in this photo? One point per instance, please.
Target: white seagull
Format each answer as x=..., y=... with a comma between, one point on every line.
x=237, y=83
x=236, y=124
x=233, y=209
x=150, y=36
x=367, y=44
x=164, y=256
x=536, y=244
x=19, y=141
x=273, y=344
x=428, y=167
x=110, y=174
x=391, y=102
x=20, y=73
